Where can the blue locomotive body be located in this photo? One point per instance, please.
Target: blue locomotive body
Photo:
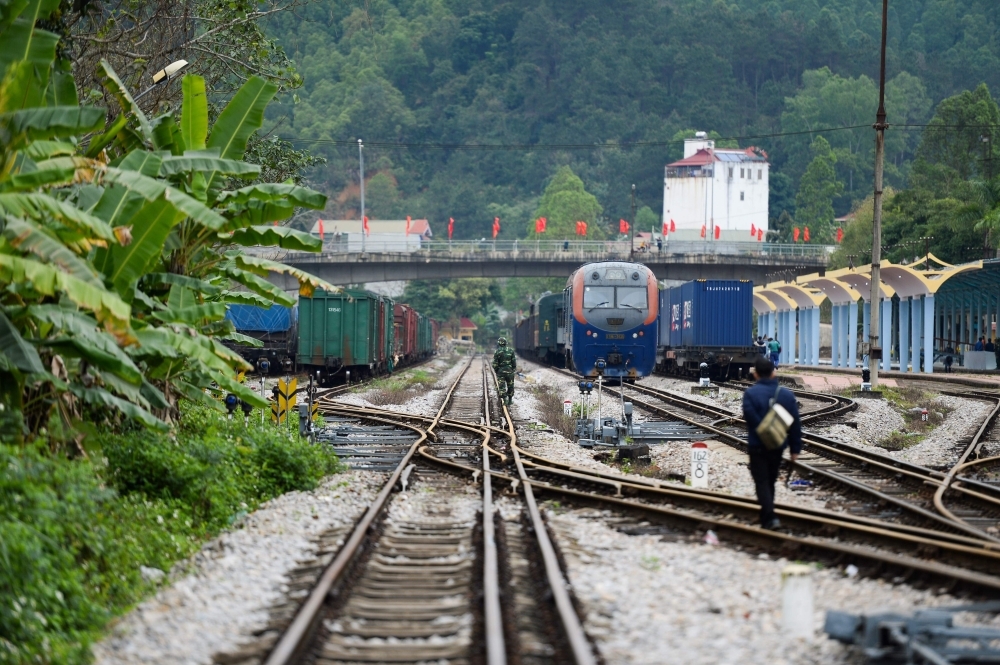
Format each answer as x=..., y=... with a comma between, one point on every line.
x=612, y=312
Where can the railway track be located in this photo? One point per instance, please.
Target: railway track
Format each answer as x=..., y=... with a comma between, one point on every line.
x=424, y=577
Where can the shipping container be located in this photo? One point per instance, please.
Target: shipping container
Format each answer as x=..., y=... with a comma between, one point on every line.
x=350, y=329
x=714, y=312
x=546, y=328
x=253, y=319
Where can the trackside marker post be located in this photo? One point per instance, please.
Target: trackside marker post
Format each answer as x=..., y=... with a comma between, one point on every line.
x=699, y=464
x=797, y=601
x=567, y=407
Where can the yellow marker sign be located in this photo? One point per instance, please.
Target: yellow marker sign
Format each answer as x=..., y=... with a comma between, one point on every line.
x=285, y=402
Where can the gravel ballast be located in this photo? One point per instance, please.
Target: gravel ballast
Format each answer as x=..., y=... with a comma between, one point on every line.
x=647, y=601
x=221, y=595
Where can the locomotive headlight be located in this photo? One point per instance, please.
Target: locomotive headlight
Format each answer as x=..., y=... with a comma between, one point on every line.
x=634, y=335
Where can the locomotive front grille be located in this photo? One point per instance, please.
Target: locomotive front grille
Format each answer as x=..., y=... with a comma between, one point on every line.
x=614, y=359
x=615, y=322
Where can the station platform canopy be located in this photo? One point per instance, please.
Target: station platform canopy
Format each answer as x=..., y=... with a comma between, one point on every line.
x=929, y=310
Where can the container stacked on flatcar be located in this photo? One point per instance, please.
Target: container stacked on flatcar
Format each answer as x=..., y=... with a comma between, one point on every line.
x=542, y=335
x=707, y=321
x=276, y=329
x=346, y=331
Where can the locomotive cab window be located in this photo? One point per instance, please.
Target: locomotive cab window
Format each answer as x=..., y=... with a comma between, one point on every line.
x=632, y=296
x=595, y=297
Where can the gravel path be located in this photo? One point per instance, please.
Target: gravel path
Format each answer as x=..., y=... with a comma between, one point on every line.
x=877, y=419
x=650, y=601
x=222, y=594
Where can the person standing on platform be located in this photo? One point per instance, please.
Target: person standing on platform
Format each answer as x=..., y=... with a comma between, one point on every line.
x=765, y=405
x=774, y=349
x=979, y=345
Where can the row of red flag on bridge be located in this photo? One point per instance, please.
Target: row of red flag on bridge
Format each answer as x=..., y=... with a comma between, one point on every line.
x=541, y=224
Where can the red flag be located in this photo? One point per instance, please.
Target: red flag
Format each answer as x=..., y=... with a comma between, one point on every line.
x=805, y=235
x=540, y=225
x=496, y=227
x=840, y=235
x=673, y=227
x=666, y=228
x=702, y=230
x=753, y=230
x=718, y=232
x=407, y=225
x=623, y=226
x=364, y=225
x=795, y=234
x=451, y=226
x=578, y=228
x=583, y=228
x=321, y=229
x=760, y=235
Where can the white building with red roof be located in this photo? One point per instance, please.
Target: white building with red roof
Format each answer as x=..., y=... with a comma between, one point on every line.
x=721, y=192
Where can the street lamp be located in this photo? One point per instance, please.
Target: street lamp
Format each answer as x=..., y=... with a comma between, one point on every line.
x=165, y=75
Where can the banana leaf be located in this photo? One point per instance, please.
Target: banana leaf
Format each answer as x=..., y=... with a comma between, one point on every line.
x=243, y=115
x=257, y=284
x=274, y=192
x=186, y=163
x=194, y=113
x=274, y=236
x=39, y=206
x=16, y=350
x=245, y=340
x=28, y=237
x=263, y=267
x=102, y=398
x=195, y=315
x=77, y=331
x=109, y=79
x=245, y=298
x=47, y=149
x=48, y=280
x=151, y=189
x=159, y=279
x=151, y=225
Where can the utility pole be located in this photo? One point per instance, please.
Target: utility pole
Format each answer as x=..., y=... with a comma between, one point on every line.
x=631, y=228
x=361, y=158
x=874, y=350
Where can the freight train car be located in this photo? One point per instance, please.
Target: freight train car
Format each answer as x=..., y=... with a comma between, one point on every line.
x=406, y=327
x=542, y=335
x=707, y=321
x=613, y=313
x=346, y=331
x=275, y=327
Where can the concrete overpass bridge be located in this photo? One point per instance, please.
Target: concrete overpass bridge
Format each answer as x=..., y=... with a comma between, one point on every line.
x=677, y=260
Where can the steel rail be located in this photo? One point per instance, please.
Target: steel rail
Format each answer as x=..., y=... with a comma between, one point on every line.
x=975, y=444
x=296, y=635
x=583, y=653
x=496, y=649
x=737, y=442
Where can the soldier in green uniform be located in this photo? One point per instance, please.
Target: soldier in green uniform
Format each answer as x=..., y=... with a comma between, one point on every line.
x=505, y=365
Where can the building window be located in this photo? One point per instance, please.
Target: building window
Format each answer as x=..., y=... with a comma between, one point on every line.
x=730, y=172
x=741, y=196
x=760, y=174
x=742, y=174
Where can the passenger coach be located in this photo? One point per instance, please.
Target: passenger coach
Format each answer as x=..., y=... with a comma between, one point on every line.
x=613, y=310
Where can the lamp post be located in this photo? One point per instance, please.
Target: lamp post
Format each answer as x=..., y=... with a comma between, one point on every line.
x=875, y=351
x=164, y=76
x=361, y=158
x=631, y=228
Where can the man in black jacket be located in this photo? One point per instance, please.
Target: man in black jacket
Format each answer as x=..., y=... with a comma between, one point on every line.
x=764, y=463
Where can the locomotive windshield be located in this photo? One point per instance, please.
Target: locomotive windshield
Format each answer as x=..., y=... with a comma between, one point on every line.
x=632, y=296
x=595, y=297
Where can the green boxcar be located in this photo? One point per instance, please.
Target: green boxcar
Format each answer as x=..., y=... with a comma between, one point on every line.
x=425, y=345
x=351, y=330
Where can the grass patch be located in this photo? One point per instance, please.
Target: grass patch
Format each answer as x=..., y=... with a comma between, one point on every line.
x=398, y=388
x=900, y=441
x=550, y=406
x=74, y=533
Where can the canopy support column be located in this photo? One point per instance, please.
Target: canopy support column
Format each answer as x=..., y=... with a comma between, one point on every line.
x=852, y=334
x=929, y=320
x=904, y=334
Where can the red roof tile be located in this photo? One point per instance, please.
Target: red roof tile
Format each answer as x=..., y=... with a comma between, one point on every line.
x=465, y=322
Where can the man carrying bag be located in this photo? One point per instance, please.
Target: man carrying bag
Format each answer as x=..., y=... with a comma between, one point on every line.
x=772, y=417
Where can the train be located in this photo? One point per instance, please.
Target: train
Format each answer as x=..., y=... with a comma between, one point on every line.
x=332, y=334
x=671, y=331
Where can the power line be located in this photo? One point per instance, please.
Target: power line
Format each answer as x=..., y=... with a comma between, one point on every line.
x=557, y=146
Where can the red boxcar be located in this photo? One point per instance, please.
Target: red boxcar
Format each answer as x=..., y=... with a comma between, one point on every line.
x=435, y=332
x=406, y=333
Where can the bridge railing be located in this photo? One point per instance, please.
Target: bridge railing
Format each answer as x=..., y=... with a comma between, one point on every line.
x=602, y=249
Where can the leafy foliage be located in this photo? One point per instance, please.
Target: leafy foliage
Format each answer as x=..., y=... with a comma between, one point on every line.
x=87, y=340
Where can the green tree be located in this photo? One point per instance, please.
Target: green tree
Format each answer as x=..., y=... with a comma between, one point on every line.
x=819, y=186
x=382, y=197
x=647, y=220
x=447, y=299
x=564, y=203
x=961, y=140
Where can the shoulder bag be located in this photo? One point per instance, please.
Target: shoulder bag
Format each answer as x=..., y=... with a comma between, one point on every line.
x=773, y=429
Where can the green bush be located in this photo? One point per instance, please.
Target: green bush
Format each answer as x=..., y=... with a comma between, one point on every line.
x=73, y=533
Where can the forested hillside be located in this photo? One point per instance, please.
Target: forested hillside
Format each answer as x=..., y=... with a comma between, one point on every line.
x=607, y=88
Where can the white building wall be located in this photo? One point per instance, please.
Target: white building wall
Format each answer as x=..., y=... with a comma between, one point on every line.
x=732, y=203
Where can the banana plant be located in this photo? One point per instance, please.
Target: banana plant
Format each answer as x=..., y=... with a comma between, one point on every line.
x=121, y=243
